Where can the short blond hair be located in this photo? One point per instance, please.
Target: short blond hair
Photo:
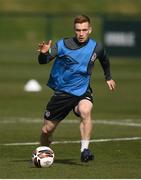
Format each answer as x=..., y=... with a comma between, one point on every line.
x=81, y=19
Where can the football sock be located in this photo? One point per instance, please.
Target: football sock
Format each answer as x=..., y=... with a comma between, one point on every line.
x=84, y=144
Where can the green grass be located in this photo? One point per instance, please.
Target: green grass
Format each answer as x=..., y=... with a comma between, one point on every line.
x=123, y=103
x=119, y=159
x=115, y=159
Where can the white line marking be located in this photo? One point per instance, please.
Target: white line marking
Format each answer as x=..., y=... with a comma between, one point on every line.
x=121, y=122
x=76, y=142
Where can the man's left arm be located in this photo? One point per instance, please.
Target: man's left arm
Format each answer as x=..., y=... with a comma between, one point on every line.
x=105, y=63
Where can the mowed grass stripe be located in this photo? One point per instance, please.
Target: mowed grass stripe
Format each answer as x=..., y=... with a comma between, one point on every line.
x=121, y=122
x=77, y=141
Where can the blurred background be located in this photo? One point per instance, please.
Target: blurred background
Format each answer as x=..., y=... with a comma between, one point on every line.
x=25, y=23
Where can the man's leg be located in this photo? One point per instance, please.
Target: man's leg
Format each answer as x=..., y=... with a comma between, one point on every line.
x=84, y=109
x=47, y=130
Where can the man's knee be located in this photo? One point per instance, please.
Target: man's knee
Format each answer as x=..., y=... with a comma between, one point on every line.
x=85, y=112
x=46, y=129
x=49, y=127
x=84, y=108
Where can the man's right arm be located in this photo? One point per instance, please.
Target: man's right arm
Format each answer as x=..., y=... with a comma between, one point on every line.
x=46, y=57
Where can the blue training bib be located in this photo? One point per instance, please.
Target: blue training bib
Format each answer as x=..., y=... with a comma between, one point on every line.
x=69, y=72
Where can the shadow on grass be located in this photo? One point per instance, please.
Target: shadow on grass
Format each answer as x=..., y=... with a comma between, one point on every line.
x=68, y=161
x=22, y=160
x=56, y=161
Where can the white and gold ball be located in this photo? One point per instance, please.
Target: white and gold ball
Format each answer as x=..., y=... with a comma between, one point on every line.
x=43, y=156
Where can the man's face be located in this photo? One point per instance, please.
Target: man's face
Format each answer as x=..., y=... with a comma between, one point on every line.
x=82, y=31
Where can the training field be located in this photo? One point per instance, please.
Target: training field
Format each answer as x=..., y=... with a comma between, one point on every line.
x=116, y=137
x=116, y=145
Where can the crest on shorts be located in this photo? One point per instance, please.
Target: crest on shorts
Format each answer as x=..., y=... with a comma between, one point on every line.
x=47, y=113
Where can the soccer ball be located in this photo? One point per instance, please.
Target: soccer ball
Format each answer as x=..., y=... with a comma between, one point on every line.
x=43, y=156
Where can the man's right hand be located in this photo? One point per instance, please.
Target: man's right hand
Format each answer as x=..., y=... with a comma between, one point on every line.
x=44, y=47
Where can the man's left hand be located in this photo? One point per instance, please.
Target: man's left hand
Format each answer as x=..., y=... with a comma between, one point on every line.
x=111, y=84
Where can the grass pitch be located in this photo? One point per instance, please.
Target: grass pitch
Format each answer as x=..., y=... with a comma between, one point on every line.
x=113, y=158
x=116, y=133
x=116, y=158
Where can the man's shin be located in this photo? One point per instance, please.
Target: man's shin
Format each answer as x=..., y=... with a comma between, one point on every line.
x=45, y=139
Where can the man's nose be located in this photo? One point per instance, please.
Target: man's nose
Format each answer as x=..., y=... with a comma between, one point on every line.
x=81, y=33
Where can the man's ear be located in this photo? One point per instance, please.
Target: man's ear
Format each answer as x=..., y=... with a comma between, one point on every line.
x=90, y=30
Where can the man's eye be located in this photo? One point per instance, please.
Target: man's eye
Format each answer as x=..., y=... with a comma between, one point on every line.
x=84, y=30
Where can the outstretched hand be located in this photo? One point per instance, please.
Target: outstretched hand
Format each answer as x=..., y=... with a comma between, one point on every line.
x=44, y=47
x=111, y=84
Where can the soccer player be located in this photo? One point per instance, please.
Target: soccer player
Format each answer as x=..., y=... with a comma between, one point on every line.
x=74, y=60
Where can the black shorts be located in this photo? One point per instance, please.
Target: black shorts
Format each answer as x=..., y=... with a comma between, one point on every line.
x=62, y=103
